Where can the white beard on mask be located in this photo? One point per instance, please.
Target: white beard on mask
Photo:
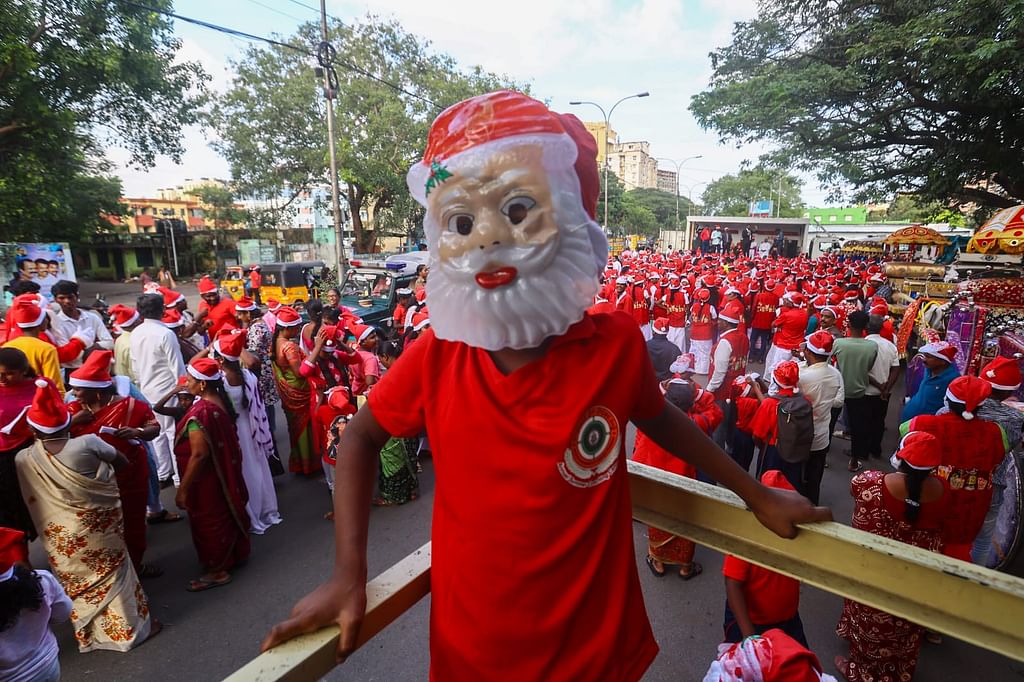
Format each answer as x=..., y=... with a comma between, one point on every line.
x=555, y=284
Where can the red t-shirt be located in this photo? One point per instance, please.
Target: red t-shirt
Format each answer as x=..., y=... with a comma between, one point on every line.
x=771, y=597
x=531, y=491
x=746, y=408
x=765, y=305
x=222, y=315
x=255, y=279
x=790, y=326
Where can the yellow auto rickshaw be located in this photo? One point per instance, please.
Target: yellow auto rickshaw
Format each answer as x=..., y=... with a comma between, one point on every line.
x=289, y=282
x=234, y=281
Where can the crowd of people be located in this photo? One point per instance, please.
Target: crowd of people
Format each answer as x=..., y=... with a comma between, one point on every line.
x=822, y=330
x=95, y=422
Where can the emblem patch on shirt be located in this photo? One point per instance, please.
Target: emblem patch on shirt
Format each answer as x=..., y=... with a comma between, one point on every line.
x=593, y=453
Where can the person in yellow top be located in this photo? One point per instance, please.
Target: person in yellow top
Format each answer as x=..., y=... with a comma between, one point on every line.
x=32, y=320
x=125, y=320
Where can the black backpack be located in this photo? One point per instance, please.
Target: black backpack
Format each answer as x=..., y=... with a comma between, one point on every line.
x=796, y=428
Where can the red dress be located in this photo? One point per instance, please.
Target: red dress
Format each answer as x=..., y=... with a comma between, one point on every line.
x=884, y=648
x=133, y=479
x=217, y=498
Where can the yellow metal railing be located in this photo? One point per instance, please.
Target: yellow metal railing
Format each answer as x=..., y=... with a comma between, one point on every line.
x=974, y=604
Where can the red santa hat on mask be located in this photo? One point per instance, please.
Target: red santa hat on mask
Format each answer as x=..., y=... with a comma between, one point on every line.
x=287, y=317
x=205, y=369
x=660, y=326
x=787, y=375
x=488, y=124
x=1003, y=373
x=206, y=285
x=230, y=343
x=969, y=392
x=94, y=372
x=171, y=297
x=13, y=550
x=683, y=364
x=942, y=350
x=732, y=312
x=920, y=450
x=48, y=413
x=245, y=304
x=820, y=343
x=123, y=316
x=773, y=656
x=27, y=314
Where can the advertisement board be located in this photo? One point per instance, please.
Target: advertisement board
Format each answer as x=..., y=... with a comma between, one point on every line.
x=761, y=208
x=44, y=264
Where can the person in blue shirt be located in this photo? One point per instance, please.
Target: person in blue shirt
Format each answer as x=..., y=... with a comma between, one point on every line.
x=941, y=370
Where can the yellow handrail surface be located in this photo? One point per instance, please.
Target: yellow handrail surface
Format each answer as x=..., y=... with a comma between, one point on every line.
x=974, y=604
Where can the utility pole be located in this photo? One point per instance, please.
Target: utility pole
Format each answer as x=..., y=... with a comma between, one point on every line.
x=325, y=57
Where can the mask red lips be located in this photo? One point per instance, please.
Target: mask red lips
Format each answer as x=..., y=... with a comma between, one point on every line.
x=496, y=278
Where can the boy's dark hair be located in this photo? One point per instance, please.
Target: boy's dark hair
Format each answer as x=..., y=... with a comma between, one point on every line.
x=875, y=323
x=24, y=286
x=681, y=395
x=858, y=320
x=65, y=287
x=150, y=306
x=24, y=591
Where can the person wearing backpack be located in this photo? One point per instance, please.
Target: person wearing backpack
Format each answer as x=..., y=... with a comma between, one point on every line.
x=783, y=426
x=822, y=384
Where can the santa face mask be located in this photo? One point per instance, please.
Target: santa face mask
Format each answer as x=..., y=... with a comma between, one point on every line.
x=515, y=257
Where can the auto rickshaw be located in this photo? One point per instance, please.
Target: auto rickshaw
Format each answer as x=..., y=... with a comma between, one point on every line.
x=289, y=282
x=234, y=281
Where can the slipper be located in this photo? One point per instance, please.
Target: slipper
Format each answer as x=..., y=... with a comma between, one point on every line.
x=695, y=570
x=381, y=502
x=854, y=466
x=149, y=571
x=650, y=565
x=166, y=516
x=200, y=585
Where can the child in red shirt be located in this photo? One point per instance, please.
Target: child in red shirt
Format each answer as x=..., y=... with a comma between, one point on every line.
x=757, y=599
x=745, y=407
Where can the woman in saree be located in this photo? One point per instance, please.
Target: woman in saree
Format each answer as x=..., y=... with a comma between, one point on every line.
x=72, y=495
x=212, y=488
x=123, y=423
x=17, y=387
x=326, y=367
x=397, y=479
x=295, y=391
x=909, y=505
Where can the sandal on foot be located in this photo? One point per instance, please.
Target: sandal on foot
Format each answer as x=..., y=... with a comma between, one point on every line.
x=654, y=570
x=695, y=570
x=854, y=466
x=165, y=516
x=329, y=516
x=201, y=585
x=382, y=502
x=149, y=571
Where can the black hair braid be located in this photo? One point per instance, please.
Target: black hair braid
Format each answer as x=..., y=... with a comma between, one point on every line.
x=218, y=388
x=23, y=591
x=236, y=366
x=915, y=482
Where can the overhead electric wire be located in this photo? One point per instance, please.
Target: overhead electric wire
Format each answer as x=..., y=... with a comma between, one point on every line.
x=278, y=43
x=276, y=10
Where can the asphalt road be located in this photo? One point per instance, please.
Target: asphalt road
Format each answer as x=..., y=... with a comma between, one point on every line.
x=210, y=634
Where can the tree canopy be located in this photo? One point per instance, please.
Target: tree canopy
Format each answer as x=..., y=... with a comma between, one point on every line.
x=888, y=95
x=271, y=122
x=730, y=195
x=75, y=74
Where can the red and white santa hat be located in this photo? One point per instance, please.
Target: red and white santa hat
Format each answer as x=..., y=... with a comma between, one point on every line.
x=206, y=285
x=851, y=295
x=794, y=298
x=245, y=304
x=969, y=392
x=205, y=369
x=1003, y=373
x=288, y=317
x=732, y=312
x=47, y=413
x=420, y=320
x=820, y=343
x=172, y=318
x=477, y=128
x=95, y=371
x=622, y=280
x=881, y=309
x=943, y=350
x=273, y=305
x=361, y=331
x=171, y=297
x=660, y=326
x=920, y=450
x=741, y=388
x=123, y=316
x=13, y=550
x=773, y=656
x=683, y=364
x=151, y=288
x=338, y=397
x=787, y=375
x=27, y=314
x=230, y=343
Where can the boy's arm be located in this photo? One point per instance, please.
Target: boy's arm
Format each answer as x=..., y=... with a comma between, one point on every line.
x=738, y=605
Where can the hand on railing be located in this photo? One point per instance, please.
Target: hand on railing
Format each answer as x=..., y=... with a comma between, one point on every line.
x=780, y=511
x=332, y=603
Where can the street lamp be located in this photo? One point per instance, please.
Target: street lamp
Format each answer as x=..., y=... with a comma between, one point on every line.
x=679, y=167
x=607, y=130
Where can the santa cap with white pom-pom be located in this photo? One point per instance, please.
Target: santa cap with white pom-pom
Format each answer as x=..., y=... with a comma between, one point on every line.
x=969, y=392
x=47, y=413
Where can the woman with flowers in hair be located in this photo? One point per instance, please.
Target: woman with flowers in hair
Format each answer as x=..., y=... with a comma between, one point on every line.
x=212, y=488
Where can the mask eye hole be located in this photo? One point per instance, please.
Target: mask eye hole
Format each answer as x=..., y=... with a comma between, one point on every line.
x=461, y=223
x=517, y=209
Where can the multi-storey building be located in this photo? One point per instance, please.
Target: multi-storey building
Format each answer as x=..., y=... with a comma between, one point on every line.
x=668, y=181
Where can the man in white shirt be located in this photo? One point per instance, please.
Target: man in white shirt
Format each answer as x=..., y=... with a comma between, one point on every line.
x=156, y=362
x=764, y=248
x=69, y=319
x=881, y=378
x=716, y=240
x=822, y=384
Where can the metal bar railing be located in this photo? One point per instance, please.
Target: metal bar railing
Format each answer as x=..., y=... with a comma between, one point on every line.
x=974, y=604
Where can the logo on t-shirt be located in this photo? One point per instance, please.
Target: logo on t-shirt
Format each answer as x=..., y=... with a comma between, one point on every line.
x=593, y=454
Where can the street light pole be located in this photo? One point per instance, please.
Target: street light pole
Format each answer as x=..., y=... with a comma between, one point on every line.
x=607, y=131
x=325, y=57
x=679, y=168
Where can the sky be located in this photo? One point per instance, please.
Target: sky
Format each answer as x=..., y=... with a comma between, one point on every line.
x=598, y=50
